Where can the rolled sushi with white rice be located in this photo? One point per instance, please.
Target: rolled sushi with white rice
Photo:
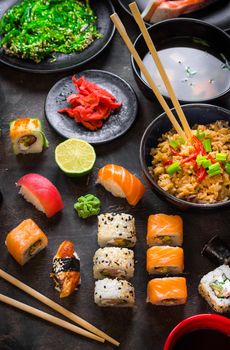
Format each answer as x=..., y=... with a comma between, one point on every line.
x=114, y=292
x=113, y=262
x=27, y=136
x=214, y=287
x=116, y=230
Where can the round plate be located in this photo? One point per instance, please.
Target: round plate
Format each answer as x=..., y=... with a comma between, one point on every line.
x=217, y=14
x=102, y=9
x=117, y=124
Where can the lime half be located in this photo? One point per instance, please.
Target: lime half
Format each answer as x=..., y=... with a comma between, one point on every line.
x=75, y=157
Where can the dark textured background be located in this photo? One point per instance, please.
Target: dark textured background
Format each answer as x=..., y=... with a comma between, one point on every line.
x=144, y=327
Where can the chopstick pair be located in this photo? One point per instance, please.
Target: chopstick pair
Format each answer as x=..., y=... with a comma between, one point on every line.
x=90, y=331
x=186, y=133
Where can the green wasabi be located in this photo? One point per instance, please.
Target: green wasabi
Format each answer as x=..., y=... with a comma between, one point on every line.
x=87, y=205
x=37, y=29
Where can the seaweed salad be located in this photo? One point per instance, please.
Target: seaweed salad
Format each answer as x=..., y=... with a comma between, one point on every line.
x=37, y=29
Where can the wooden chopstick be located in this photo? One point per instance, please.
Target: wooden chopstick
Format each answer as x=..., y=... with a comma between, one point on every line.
x=70, y=315
x=137, y=16
x=52, y=319
x=121, y=29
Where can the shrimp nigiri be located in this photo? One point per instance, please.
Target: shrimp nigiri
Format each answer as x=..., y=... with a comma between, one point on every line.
x=121, y=183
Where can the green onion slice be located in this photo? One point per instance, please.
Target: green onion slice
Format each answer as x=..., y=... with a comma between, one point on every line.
x=173, y=168
x=207, y=145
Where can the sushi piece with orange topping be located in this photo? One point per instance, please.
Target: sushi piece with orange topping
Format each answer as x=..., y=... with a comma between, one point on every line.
x=164, y=259
x=66, y=269
x=121, y=183
x=25, y=241
x=167, y=291
x=164, y=229
x=27, y=136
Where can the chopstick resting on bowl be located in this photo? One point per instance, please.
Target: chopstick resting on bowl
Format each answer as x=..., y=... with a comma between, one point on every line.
x=122, y=31
x=137, y=16
x=52, y=319
x=70, y=315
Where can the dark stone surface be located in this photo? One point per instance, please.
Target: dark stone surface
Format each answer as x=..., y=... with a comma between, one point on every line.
x=144, y=327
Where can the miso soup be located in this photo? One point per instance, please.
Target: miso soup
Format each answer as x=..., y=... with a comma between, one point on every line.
x=195, y=71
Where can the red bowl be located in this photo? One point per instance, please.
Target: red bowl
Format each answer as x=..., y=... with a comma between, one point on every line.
x=216, y=322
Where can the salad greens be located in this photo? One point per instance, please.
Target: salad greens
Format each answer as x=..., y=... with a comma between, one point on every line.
x=37, y=29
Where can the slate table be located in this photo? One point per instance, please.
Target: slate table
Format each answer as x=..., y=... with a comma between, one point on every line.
x=144, y=327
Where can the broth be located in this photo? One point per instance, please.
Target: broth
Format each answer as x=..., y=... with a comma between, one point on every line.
x=201, y=339
x=196, y=73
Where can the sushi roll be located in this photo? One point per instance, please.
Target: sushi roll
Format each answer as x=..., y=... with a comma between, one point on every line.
x=217, y=251
x=167, y=291
x=121, y=183
x=214, y=287
x=165, y=230
x=66, y=269
x=113, y=262
x=114, y=292
x=164, y=259
x=116, y=230
x=27, y=136
x=25, y=241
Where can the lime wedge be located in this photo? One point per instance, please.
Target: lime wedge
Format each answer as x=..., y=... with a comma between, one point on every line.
x=75, y=157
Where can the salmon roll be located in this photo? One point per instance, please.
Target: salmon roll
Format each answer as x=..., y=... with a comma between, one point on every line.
x=66, y=269
x=116, y=230
x=167, y=291
x=114, y=292
x=164, y=259
x=25, y=241
x=113, y=262
x=165, y=229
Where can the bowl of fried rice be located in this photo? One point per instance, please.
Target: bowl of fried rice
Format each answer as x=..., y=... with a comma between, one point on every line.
x=193, y=173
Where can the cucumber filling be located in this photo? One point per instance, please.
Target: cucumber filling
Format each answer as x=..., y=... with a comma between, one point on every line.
x=26, y=141
x=35, y=247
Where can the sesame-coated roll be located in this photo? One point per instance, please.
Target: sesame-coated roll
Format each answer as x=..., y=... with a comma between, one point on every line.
x=116, y=230
x=114, y=292
x=113, y=262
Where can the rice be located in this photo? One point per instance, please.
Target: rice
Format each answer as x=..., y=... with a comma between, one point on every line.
x=184, y=184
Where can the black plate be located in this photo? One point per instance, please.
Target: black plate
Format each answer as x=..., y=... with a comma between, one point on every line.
x=118, y=123
x=217, y=13
x=102, y=8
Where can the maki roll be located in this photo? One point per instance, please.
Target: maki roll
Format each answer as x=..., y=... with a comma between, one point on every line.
x=165, y=230
x=167, y=291
x=116, y=230
x=66, y=269
x=27, y=136
x=217, y=251
x=113, y=262
x=214, y=287
x=25, y=241
x=164, y=259
x=114, y=292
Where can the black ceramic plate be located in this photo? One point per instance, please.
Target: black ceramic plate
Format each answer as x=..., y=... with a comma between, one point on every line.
x=119, y=121
x=217, y=13
x=102, y=8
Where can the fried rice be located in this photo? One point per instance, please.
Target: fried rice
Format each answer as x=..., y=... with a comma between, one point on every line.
x=185, y=183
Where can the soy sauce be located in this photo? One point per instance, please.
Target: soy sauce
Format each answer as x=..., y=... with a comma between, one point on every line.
x=201, y=339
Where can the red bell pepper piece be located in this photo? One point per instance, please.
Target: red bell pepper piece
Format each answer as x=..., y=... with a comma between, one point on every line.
x=167, y=162
x=201, y=174
x=175, y=153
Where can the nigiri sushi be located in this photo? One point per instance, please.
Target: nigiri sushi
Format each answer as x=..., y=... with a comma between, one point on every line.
x=27, y=136
x=164, y=259
x=66, y=269
x=165, y=229
x=25, y=241
x=121, y=183
x=167, y=291
x=39, y=191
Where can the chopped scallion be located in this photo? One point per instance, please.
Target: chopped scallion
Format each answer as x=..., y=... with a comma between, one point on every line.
x=227, y=168
x=200, y=159
x=214, y=169
x=173, y=168
x=207, y=145
x=206, y=163
x=222, y=157
x=200, y=135
x=174, y=144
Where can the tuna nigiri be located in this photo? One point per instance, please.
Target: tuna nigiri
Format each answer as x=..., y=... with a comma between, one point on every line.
x=121, y=183
x=39, y=191
x=164, y=259
x=165, y=230
x=25, y=241
x=167, y=291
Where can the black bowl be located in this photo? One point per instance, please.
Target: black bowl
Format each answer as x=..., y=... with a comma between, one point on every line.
x=163, y=35
x=195, y=114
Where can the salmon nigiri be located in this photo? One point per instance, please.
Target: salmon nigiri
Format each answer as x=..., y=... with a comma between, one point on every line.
x=121, y=183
